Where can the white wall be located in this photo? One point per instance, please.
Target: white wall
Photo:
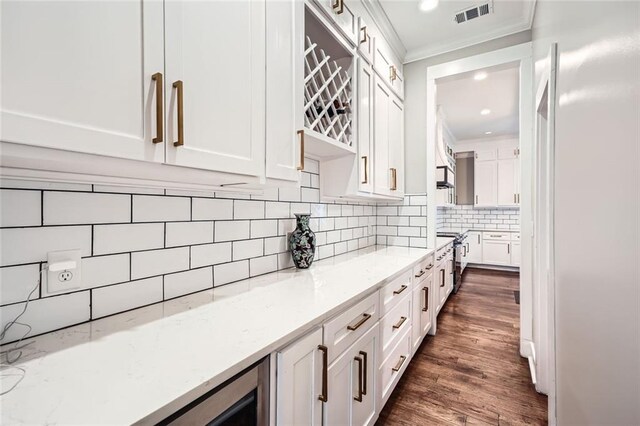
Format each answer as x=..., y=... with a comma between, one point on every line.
x=486, y=143
x=415, y=105
x=597, y=207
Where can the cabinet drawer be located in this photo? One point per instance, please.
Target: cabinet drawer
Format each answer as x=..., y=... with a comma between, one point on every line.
x=395, y=323
x=342, y=331
x=505, y=236
x=423, y=268
x=394, y=365
x=394, y=291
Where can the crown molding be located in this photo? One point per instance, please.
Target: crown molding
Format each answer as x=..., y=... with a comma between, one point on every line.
x=384, y=24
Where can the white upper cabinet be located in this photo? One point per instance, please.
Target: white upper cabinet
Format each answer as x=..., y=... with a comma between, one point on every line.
x=366, y=41
x=215, y=91
x=507, y=192
x=78, y=76
x=285, y=50
x=388, y=68
x=365, y=129
x=396, y=146
x=486, y=183
x=344, y=15
x=382, y=97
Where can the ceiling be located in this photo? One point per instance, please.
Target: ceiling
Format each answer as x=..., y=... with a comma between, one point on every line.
x=431, y=33
x=462, y=98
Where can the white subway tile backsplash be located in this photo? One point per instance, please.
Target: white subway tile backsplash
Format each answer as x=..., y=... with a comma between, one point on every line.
x=50, y=313
x=277, y=210
x=334, y=210
x=285, y=226
x=310, y=195
x=104, y=270
x=231, y=230
x=300, y=208
x=264, y=228
x=311, y=166
x=16, y=282
x=268, y=194
x=188, y=233
x=275, y=245
x=128, y=189
x=212, y=209
x=187, y=282
x=29, y=245
x=123, y=297
x=158, y=262
x=315, y=181
x=263, y=265
x=127, y=238
x=333, y=236
x=32, y=184
x=230, y=272
x=73, y=208
x=151, y=208
x=289, y=194
x=247, y=249
x=244, y=209
x=210, y=254
x=20, y=208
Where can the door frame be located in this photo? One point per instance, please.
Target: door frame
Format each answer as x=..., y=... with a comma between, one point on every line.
x=521, y=54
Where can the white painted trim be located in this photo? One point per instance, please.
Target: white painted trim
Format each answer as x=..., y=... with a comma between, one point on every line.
x=522, y=54
x=386, y=28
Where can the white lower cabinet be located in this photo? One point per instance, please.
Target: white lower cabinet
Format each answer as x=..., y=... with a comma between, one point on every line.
x=421, y=310
x=299, y=382
x=515, y=253
x=474, y=247
x=351, y=383
x=496, y=252
x=393, y=366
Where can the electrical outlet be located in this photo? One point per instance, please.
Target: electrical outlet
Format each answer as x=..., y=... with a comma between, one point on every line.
x=64, y=272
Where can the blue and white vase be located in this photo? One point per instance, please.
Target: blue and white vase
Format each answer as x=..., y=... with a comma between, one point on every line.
x=302, y=242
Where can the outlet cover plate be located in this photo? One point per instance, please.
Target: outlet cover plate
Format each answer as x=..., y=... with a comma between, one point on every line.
x=55, y=283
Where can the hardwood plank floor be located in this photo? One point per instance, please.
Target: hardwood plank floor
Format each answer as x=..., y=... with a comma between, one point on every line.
x=471, y=372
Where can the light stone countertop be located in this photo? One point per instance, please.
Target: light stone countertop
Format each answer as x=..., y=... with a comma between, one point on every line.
x=142, y=365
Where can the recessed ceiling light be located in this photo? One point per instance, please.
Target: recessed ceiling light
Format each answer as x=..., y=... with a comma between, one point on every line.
x=485, y=111
x=487, y=133
x=480, y=76
x=427, y=5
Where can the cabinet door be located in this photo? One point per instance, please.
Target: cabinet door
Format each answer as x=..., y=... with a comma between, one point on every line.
x=299, y=382
x=382, y=176
x=515, y=253
x=396, y=146
x=284, y=99
x=425, y=287
x=416, y=305
x=344, y=16
x=217, y=50
x=352, y=384
x=77, y=76
x=496, y=252
x=441, y=289
x=507, y=192
x=486, y=183
x=365, y=129
x=474, y=247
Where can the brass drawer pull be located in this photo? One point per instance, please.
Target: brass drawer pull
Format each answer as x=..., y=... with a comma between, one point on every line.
x=442, y=281
x=430, y=266
x=339, y=5
x=366, y=170
x=364, y=369
x=400, y=363
x=400, y=290
x=180, y=88
x=399, y=324
x=325, y=372
x=394, y=178
x=421, y=273
x=357, y=325
x=365, y=36
x=157, y=77
x=425, y=308
x=359, y=396
x=301, y=163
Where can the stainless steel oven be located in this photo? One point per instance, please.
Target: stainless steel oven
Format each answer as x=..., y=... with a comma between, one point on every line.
x=459, y=256
x=241, y=401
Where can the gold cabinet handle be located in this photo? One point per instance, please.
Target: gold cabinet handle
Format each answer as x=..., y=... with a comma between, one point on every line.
x=430, y=266
x=323, y=396
x=399, y=324
x=394, y=177
x=365, y=36
x=366, y=169
x=178, y=85
x=508, y=248
x=157, y=77
x=301, y=162
x=442, y=281
x=425, y=308
x=400, y=362
x=400, y=290
x=421, y=273
x=361, y=321
x=359, y=396
x=393, y=73
x=364, y=369
x=339, y=5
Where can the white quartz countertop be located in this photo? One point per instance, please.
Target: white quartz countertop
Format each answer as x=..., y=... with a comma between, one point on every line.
x=142, y=365
x=443, y=241
x=463, y=229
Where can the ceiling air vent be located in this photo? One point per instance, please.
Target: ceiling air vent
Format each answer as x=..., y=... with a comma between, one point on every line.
x=473, y=12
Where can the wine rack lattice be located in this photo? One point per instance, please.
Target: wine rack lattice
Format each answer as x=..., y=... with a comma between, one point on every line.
x=327, y=95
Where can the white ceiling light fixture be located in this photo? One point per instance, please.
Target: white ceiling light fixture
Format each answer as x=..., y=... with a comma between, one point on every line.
x=427, y=5
x=485, y=111
x=480, y=76
x=488, y=133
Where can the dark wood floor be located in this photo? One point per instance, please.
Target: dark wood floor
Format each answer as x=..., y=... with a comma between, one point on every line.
x=470, y=372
